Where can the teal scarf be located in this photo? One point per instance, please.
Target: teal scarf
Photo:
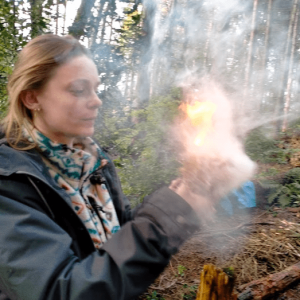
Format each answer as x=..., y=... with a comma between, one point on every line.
x=71, y=169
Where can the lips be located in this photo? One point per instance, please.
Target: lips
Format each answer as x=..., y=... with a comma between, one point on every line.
x=90, y=119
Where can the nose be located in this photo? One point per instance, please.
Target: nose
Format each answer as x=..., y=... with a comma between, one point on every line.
x=95, y=101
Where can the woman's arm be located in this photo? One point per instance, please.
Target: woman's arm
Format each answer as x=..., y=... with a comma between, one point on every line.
x=37, y=261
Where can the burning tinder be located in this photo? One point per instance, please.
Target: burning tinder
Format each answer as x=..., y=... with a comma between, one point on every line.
x=213, y=159
x=200, y=114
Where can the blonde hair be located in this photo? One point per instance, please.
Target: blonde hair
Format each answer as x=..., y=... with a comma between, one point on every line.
x=36, y=64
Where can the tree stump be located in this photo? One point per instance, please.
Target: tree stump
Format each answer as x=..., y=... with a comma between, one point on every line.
x=215, y=285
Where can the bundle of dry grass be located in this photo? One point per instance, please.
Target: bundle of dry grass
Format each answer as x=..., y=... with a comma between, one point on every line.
x=266, y=250
x=253, y=247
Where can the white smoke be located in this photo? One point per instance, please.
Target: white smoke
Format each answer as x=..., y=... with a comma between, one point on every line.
x=219, y=164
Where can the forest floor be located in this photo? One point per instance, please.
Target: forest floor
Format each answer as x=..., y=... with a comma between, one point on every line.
x=253, y=242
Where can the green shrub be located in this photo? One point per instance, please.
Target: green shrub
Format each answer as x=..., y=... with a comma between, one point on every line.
x=263, y=149
x=148, y=161
x=154, y=296
x=292, y=176
x=286, y=192
x=142, y=152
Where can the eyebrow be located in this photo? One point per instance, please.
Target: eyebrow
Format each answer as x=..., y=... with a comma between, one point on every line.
x=85, y=81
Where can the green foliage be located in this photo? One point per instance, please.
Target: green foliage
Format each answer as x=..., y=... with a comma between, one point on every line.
x=271, y=172
x=181, y=269
x=286, y=193
x=294, y=128
x=38, y=21
x=257, y=145
x=130, y=32
x=190, y=292
x=154, y=296
x=265, y=150
x=11, y=41
x=292, y=176
x=274, y=214
x=145, y=159
x=229, y=271
x=15, y=25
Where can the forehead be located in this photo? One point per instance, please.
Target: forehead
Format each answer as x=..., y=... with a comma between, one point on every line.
x=80, y=67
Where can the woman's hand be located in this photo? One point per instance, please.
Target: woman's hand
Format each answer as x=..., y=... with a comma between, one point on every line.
x=200, y=204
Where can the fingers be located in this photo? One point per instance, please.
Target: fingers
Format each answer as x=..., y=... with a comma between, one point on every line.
x=175, y=184
x=200, y=204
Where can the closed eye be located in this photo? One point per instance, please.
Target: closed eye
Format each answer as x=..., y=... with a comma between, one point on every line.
x=78, y=92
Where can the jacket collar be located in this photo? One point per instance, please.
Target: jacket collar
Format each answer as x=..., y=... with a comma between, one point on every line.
x=27, y=162
x=15, y=161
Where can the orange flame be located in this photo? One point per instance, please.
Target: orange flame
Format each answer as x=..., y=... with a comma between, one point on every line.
x=200, y=115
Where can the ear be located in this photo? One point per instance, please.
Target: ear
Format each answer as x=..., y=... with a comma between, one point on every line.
x=29, y=99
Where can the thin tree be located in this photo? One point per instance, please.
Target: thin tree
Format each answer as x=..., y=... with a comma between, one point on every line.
x=264, y=73
x=250, y=51
x=289, y=81
x=84, y=13
x=143, y=82
x=279, y=107
x=209, y=34
x=36, y=15
x=65, y=15
x=103, y=30
x=57, y=16
x=97, y=21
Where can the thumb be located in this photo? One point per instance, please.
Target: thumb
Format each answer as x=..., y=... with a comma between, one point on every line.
x=175, y=184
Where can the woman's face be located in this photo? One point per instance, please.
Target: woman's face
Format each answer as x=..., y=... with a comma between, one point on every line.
x=68, y=103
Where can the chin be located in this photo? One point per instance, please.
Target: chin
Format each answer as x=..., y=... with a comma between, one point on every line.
x=86, y=133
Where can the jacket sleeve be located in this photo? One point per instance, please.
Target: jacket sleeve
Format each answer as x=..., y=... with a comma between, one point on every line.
x=36, y=260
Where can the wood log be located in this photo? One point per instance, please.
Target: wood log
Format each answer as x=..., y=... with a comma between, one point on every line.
x=215, y=284
x=266, y=287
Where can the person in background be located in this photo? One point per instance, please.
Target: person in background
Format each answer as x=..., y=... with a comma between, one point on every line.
x=67, y=231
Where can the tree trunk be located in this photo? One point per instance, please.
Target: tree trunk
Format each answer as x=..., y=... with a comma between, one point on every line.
x=207, y=43
x=111, y=30
x=97, y=23
x=35, y=13
x=65, y=17
x=289, y=81
x=57, y=16
x=131, y=95
x=82, y=18
x=126, y=85
x=264, y=76
x=104, y=22
x=14, y=24
x=266, y=287
x=283, y=79
x=249, y=58
x=143, y=82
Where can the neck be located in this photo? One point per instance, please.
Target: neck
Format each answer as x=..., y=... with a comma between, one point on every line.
x=57, y=138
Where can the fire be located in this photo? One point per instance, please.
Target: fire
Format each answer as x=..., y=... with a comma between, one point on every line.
x=200, y=114
x=212, y=157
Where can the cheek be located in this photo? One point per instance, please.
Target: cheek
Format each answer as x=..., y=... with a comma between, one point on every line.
x=62, y=110
x=74, y=113
x=58, y=116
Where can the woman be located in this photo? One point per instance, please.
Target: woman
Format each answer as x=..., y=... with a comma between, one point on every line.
x=67, y=231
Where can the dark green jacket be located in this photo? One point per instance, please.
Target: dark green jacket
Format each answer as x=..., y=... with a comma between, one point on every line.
x=47, y=253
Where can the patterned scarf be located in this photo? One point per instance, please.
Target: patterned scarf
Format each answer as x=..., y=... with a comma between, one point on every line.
x=72, y=169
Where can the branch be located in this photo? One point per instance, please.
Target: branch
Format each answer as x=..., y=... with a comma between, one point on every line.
x=265, y=287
